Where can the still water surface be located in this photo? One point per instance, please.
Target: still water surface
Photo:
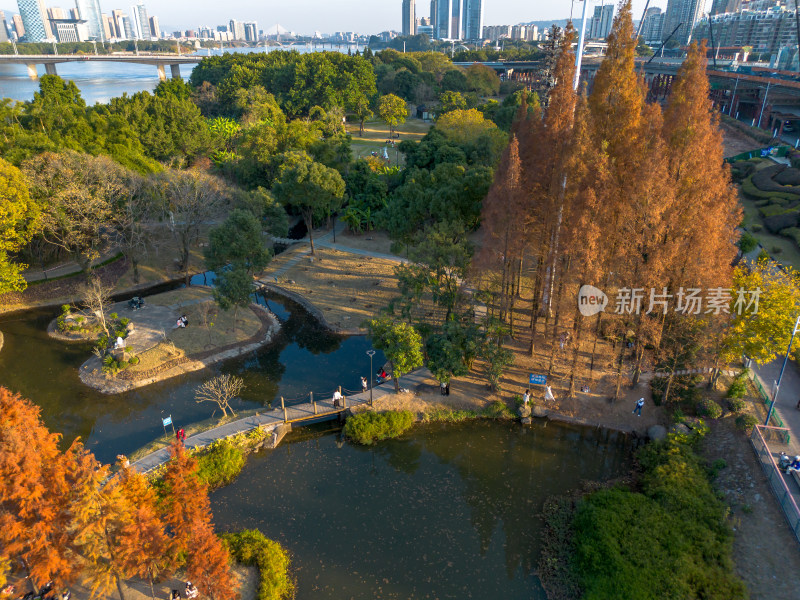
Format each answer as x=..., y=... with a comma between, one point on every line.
x=449, y=511
x=304, y=357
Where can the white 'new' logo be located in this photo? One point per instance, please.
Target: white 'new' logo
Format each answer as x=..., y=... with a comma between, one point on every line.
x=591, y=300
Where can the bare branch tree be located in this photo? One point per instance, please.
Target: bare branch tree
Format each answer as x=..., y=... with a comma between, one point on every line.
x=132, y=211
x=97, y=299
x=221, y=389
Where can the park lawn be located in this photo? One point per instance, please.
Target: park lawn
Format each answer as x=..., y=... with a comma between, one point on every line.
x=376, y=133
x=210, y=327
x=176, y=299
x=348, y=288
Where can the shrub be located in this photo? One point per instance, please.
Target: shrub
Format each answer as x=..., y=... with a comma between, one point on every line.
x=736, y=405
x=788, y=177
x=370, y=427
x=113, y=316
x=441, y=414
x=747, y=243
x=252, y=548
x=124, y=322
x=746, y=422
x=134, y=360
x=65, y=308
x=751, y=191
x=669, y=540
x=756, y=227
x=220, y=463
x=763, y=255
x=738, y=388
x=793, y=233
x=497, y=410
x=787, y=218
x=708, y=408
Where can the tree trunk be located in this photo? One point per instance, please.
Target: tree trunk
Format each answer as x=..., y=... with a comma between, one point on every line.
x=309, y=221
x=152, y=589
x=361, y=123
x=135, y=266
x=119, y=587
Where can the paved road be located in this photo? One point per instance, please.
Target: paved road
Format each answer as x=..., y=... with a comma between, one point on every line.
x=788, y=396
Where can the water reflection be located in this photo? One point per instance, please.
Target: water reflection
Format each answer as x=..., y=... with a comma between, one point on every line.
x=304, y=357
x=448, y=512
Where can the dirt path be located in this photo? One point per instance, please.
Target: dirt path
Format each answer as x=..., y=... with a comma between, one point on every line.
x=766, y=552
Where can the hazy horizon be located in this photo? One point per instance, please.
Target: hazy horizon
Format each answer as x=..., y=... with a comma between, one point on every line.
x=307, y=16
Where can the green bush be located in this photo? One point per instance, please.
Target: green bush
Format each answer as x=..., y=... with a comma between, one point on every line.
x=220, y=463
x=736, y=405
x=738, y=388
x=708, y=408
x=751, y=191
x=756, y=227
x=497, y=410
x=124, y=322
x=746, y=422
x=770, y=210
x=250, y=547
x=668, y=541
x=747, y=243
x=134, y=360
x=65, y=308
x=369, y=427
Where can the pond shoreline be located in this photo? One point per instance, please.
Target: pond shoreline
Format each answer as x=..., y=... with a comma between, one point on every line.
x=311, y=308
x=115, y=385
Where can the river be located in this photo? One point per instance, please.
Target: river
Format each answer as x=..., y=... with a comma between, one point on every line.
x=99, y=81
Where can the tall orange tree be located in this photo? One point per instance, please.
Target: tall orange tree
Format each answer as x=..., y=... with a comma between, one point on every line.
x=208, y=564
x=34, y=516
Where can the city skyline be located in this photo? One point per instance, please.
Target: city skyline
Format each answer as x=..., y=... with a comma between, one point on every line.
x=307, y=16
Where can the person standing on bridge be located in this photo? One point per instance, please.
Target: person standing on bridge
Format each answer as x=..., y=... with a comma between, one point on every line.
x=337, y=399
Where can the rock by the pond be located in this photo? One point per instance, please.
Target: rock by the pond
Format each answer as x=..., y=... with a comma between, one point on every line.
x=539, y=411
x=524, y=411
x=679, y=428
x=657, y=432
x=526, y=420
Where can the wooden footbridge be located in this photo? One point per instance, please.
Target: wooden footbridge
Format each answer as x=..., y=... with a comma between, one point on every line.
x=282, y=417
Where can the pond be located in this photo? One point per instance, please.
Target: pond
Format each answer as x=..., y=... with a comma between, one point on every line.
x=448, y=511
x=304, y=357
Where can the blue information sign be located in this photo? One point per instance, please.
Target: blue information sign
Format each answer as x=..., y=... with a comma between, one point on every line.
x=538, y=379
x=167, y=421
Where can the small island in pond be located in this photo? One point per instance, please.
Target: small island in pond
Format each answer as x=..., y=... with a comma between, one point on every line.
x=137, y=343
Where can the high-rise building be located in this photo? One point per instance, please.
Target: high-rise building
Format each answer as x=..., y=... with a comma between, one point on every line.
x=766, y=31
x=3, y=27
x=472, y=28
x=70, y=30
x=250, y=31
x=494, y=33
x=116, y=19
x=108, y=26
x=653, y=26
x=90, y=12
x=155, y=30
x=140, y=22
x=19, y=28
x=55, y=13
x=443, y=21
x=720, y=7
x=74, y=14
x=603, y=19
x=34, y=20
x=683, y=15
x=409, y=17
x=128, y=32
x=237, y=29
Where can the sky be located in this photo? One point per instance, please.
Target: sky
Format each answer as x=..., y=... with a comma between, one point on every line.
x=306, y=16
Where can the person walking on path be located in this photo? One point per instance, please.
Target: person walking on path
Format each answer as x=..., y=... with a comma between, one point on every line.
x=364, y=385
x=181, y=435
x=526, y=397
x=639, y=405
x=443, y=387
x=548, y=394
x=447, y=389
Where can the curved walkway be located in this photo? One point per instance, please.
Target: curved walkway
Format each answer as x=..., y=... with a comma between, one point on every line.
x=272, y=418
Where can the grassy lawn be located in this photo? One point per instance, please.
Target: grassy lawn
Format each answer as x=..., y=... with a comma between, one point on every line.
x=376, y=133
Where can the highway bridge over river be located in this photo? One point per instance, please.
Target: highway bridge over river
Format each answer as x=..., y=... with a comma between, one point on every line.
x=160, y=61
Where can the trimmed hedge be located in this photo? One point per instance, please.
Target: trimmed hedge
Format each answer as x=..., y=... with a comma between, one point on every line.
x=750, y=190
x=746, y=422
x=736, y=405
x=788, y=177
x=793, y=233
x=764, y=180
x=369, y=427
x=250, y=547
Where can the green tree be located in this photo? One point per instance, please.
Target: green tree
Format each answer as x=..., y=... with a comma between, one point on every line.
x=363, y=111
x=19, y=220
x=450, y=101
x=392, y=111
x=314, y=189
x=233, y=290
x=483, y=80
x=763, y=335
x=452, y=351
x=237, y=242
x=401, y=344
